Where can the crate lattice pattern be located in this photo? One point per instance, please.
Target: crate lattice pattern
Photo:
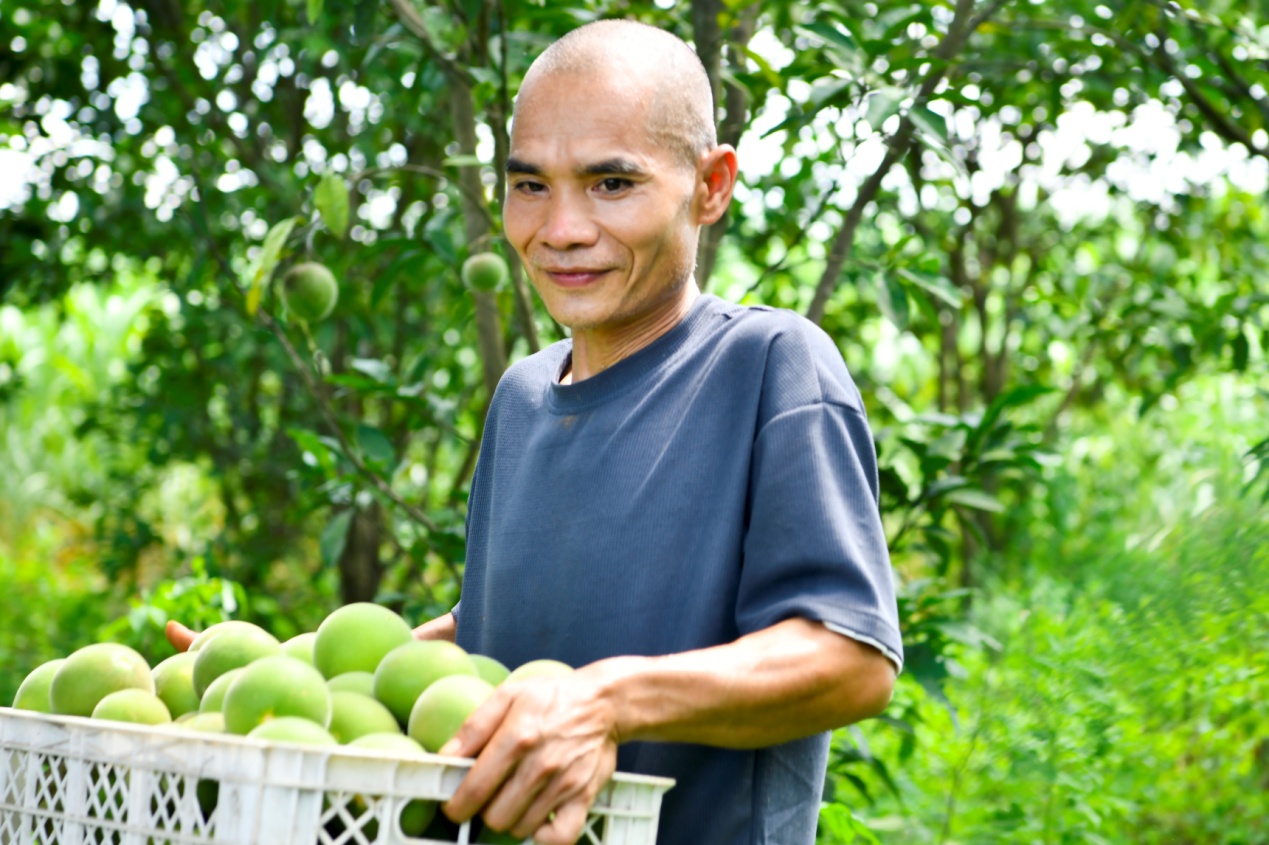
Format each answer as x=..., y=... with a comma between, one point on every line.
x=67, y=791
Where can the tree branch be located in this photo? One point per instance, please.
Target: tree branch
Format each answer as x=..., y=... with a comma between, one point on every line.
x=306, y=376
x=958, y=33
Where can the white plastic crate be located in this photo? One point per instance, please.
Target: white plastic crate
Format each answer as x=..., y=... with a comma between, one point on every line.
x=71, y=781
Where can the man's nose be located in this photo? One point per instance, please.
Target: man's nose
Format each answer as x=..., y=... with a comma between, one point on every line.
x=568, y=223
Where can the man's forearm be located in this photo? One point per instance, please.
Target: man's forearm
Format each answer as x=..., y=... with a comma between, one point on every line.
x=791, y=680
x=443, y=627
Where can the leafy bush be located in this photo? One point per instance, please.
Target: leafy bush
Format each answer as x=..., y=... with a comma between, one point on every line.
x=1122, y=710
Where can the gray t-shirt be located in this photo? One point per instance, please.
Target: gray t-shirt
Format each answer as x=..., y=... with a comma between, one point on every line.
x=716, y=482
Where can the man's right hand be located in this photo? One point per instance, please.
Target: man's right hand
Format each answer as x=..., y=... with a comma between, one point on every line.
x=178, y=635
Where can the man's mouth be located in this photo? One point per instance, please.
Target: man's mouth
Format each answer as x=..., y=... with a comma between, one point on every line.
x=573, y=277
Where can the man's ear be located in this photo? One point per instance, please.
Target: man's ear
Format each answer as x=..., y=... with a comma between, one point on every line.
x=715, y=181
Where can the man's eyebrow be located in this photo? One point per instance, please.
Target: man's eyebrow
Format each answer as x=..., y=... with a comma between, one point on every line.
x=612, y=166
x=515, y=165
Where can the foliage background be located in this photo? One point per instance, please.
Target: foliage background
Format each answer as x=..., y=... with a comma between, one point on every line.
x=1036, y=230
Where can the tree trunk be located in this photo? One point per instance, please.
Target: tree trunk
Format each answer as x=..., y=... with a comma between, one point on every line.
x=360, y=568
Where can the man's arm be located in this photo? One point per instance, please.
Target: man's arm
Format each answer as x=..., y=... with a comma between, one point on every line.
x=547, y=746
x=443, y=627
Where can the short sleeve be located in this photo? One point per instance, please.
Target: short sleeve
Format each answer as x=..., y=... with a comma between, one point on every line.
x=815, y=547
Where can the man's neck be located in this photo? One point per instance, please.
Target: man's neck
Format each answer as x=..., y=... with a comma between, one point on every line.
x=595, y=350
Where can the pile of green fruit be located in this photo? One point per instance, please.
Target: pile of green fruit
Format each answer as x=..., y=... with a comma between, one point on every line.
x=360, y=680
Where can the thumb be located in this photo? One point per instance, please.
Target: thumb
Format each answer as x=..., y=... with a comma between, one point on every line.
x=479, y=727
x=178, y=635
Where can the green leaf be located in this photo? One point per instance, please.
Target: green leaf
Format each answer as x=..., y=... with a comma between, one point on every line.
x=262, y=268
x=882, y=103
x=976, y=499
x=1241, y=349
x=936, y=286
x=929, y=123
x=830, y=34
x=331, y=199
x=373, y=367
x=376, y=446
x=893, y=299
x=335, y=537
x=314, y=10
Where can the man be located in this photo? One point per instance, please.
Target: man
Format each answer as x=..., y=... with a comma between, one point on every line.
x=681, y=500
x=687, y=483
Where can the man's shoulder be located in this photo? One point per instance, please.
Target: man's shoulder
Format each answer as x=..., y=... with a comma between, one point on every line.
x=534, y=372
x=798, y=358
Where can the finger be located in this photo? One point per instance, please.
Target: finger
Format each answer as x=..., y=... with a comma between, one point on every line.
x=178, y=635
x=564, y=787
x=497, y=758
x=565, y=825
x=478, y=728
x=506, y=810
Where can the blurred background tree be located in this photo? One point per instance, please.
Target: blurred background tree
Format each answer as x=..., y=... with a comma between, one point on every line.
x=1035, y=228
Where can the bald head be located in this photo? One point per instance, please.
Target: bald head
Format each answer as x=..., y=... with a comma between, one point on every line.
x=647, y=64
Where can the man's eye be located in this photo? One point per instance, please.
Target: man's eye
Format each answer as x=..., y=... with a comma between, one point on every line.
x=528, y=187
x=613, y=184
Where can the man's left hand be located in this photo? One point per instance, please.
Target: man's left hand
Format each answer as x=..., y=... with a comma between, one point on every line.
x=544, y=747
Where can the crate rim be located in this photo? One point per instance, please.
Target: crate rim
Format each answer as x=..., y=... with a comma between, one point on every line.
x=662, y=784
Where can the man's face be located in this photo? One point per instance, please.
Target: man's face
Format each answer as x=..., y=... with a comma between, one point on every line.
x=600, y=212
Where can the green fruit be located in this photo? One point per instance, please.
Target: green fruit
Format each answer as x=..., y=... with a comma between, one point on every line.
x=309, y=292
x=293, y=729
x=484, y=271
x=444, y=706
x=409, y=669
x=219, y=628
x=301, y=647
x=174, y=683
x=540, y=669
x=133, y=705
x=397, y=743
x=92, y=673
x=356, y=637
x=214, y=699
x=416, y=815
x=353, y=715
x=212, y=723
x=489, y=669
x=33, y=694
x=362, y=682
x=231, y=650
x=272, y=688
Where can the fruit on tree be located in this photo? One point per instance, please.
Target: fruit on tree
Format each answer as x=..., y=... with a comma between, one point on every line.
x=309, y=292
x=275, y=687
x=409, y=669
x=484, y=271
x=33, y=694
x=356, y=637
x=92, y=673
x=444, y=706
